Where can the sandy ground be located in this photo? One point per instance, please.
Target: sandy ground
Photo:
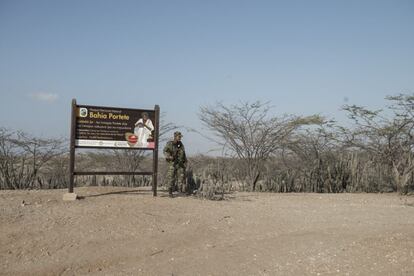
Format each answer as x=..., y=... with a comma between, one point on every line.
x=114, y=231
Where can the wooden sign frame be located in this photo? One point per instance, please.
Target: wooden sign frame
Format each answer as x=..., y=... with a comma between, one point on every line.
x=74, y=146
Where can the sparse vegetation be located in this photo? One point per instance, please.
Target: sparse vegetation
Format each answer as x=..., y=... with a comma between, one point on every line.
x=261, y=152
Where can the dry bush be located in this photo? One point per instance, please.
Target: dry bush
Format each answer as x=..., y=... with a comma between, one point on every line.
x=25, y=159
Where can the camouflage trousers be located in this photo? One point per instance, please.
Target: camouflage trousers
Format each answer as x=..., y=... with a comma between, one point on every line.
x=176, y=177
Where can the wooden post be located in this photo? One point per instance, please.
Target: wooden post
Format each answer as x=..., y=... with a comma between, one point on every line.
x=155, y=157
x=72, y=146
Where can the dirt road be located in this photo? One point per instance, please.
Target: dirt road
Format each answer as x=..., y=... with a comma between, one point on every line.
x=114, y=231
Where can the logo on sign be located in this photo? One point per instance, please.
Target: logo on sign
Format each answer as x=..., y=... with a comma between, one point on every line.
x=83, y=112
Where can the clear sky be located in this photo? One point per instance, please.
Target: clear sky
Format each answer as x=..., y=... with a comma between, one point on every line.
x=304, y=57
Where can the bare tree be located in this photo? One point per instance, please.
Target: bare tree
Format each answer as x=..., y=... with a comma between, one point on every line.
x=248, y=131
x=403, y=166
x=310, y=144
x=389, y=138
x=22, y=156
x=9, y=160
x=310, y=151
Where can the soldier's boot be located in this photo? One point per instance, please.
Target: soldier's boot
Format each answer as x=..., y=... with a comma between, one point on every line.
x=184, y=188
x=170, y=192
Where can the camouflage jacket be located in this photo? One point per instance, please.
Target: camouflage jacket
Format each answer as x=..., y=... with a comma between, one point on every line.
x=175, y=152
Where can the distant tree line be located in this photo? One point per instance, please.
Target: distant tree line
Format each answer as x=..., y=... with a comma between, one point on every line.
x=27, y=161
x=264, y=152
x=260, y=152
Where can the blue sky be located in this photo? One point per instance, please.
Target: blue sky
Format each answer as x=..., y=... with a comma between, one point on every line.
x=304, y=57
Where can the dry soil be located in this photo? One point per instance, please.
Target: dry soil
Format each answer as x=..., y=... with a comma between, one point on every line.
x=118, y=231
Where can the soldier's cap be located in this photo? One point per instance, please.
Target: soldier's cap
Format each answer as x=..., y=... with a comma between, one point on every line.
x=177, y=133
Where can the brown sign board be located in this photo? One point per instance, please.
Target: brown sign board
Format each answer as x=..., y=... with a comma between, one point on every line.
x=117, y=128
x=113, y=127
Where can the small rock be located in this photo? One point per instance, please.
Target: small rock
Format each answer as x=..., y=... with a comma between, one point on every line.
x=70, y=197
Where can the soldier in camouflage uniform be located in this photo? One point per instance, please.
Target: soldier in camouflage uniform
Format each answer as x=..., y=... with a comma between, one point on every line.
x=175, y=156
